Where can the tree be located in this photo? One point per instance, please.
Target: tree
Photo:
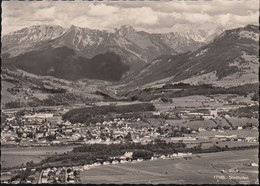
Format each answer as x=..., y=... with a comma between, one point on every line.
x=128, y=137
x=255, y=97
x=159, y=142
x=19, y=134
x=159, y=130
x=51, y=137
x=103, y=136
x=30, y=164
x=68, y=170
x=25, y=174
x=30, y=135
x=145, y=154
x=181, y=144
x=3, y=117
x=81, y=138
x=10, y=128
x=13, y=104
x=199, y=145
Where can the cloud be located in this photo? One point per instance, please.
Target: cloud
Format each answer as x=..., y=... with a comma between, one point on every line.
x=198, y=17
x=45, y=13
x=223, y=19
x=143, y=15
x=152, y=16
x=101, y=10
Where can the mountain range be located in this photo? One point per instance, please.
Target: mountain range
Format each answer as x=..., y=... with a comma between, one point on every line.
x=135, y=57
x=230, y=59
x=126, y=37
x=136, y=47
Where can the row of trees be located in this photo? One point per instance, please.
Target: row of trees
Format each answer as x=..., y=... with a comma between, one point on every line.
x=188, y=90
x=249, y=111
x=91, y=153
x=83, y=115
x=155, y=146
x=102, y=152
x=52, y=100
x=24, y=174
x=14, y=104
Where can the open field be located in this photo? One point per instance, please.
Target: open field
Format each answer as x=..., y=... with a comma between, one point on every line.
x=5, y=95
x=189, y=102
x=242, y=121
x=16, y=156
x=40, y=95
x=239, y=133
x=228, y=143
x=192, y=124
x=198, y=101
x=200, y=169
x=12, y=160
x=235, y=121
x=117, y=103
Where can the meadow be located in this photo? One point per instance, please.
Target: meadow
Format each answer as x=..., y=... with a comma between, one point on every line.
x=242, y=120
x=5, y=95
x=200, y=169
x=192, y=124
x=239, y=133
x=11, y=157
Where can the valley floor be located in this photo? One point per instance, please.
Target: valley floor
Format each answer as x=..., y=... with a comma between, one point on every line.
x=199, y=169
x=15, y=156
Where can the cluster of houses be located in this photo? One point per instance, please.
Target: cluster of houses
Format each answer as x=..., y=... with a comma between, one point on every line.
x=60, y=175
x=235, y=138
x=31, y=179
x=206, y=114
x=169, y=156
x=188, y=114
x=235, y=169
x=72, y=174
x=40, y=129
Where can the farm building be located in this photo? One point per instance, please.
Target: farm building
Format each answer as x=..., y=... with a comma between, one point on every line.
x=226, y=137
x=250, y=139
x=106, y=163
x=114, y=162
x=128, y=154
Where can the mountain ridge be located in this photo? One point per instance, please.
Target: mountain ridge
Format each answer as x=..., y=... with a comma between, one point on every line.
x=148, y=58
x=123, y=31
x=230, y=59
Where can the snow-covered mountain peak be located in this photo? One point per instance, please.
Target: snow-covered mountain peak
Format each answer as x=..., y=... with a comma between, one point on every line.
x=34, y=34
x=197, y=34
x=125, y=29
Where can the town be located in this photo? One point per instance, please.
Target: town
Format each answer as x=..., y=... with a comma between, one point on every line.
x=45, y=128
x=130, y=92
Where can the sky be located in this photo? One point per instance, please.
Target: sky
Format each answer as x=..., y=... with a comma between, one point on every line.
x=151, y=16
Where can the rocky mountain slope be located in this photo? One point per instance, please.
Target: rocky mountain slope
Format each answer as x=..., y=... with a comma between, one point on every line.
x=84, y=39
x=205, y=35
x=27, y=39
x=135, y=48
x=230, y=59
x=139, y=58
